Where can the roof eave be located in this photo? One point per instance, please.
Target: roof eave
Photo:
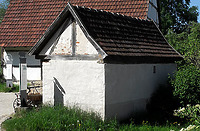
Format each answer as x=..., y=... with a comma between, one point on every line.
x=140, y=59
x=181, y=57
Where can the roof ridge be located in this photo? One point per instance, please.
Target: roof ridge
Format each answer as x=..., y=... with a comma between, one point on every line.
x=113, y=13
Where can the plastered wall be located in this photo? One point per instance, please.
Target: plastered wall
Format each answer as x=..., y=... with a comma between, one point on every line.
x=33, y=73
x=79, y=83
x=63, y=45
x=129, y=87
x=83, y=46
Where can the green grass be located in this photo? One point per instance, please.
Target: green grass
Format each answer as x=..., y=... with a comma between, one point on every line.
x=3, y=88
x=63, y=118
x=148, y=128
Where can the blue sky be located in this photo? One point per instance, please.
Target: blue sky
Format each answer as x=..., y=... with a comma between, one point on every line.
x=193, y=3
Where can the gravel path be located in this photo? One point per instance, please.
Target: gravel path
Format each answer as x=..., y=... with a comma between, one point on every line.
x=6, y=108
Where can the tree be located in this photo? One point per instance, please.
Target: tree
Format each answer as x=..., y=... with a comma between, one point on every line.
x=186, y=80
x=186, y=83
x=3, y=7
x=187, y=43
x=176, y=15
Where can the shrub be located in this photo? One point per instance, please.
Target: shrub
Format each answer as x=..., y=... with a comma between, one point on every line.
x=190, y=112
x=186, y=83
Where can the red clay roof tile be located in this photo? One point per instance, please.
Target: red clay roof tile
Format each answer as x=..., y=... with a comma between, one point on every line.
x=26, y=20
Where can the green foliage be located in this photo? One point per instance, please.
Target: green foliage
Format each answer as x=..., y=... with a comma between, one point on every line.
x=187, y=43
x=58, y=118
x=190, y=112
x=176, y=14
x=133, y=127
x=186, y=83
x=192, y=55
x=3, y=88
x=186, y=80
x=64, y=118
x=3, y=7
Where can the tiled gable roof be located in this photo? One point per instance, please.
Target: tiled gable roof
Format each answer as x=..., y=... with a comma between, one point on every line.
x=26, y=20
x=120, y=35
x=117, y=35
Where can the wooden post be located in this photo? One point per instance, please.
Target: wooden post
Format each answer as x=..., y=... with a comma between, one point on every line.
x=73, y=38
x=23, y=79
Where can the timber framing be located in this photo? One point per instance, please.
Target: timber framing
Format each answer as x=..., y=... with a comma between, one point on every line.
x=69, y=10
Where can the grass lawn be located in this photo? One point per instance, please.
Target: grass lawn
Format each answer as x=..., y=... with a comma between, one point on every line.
x=63, y=118
x=3, y=88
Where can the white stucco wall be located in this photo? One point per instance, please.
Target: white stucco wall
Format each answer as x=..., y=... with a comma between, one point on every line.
x=71, y=82
x=83, y=46
x=63, y=44
x=59, y=45
x=33, y=73
x=33, y=70
x=129, y=87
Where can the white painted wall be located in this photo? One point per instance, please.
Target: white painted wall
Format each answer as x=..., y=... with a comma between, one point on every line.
x=109, y=89
x=59, y=45
x=129, y=87
x=83, y=46
x=33, y=73
x=63, y=45
x=71, y=82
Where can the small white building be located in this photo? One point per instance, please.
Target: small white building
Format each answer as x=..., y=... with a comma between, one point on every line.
x=101, y=61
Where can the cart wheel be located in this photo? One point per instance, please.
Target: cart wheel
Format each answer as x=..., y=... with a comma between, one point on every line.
x=17, y=103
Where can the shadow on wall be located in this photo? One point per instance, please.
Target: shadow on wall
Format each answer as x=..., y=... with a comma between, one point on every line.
x=58, y=92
